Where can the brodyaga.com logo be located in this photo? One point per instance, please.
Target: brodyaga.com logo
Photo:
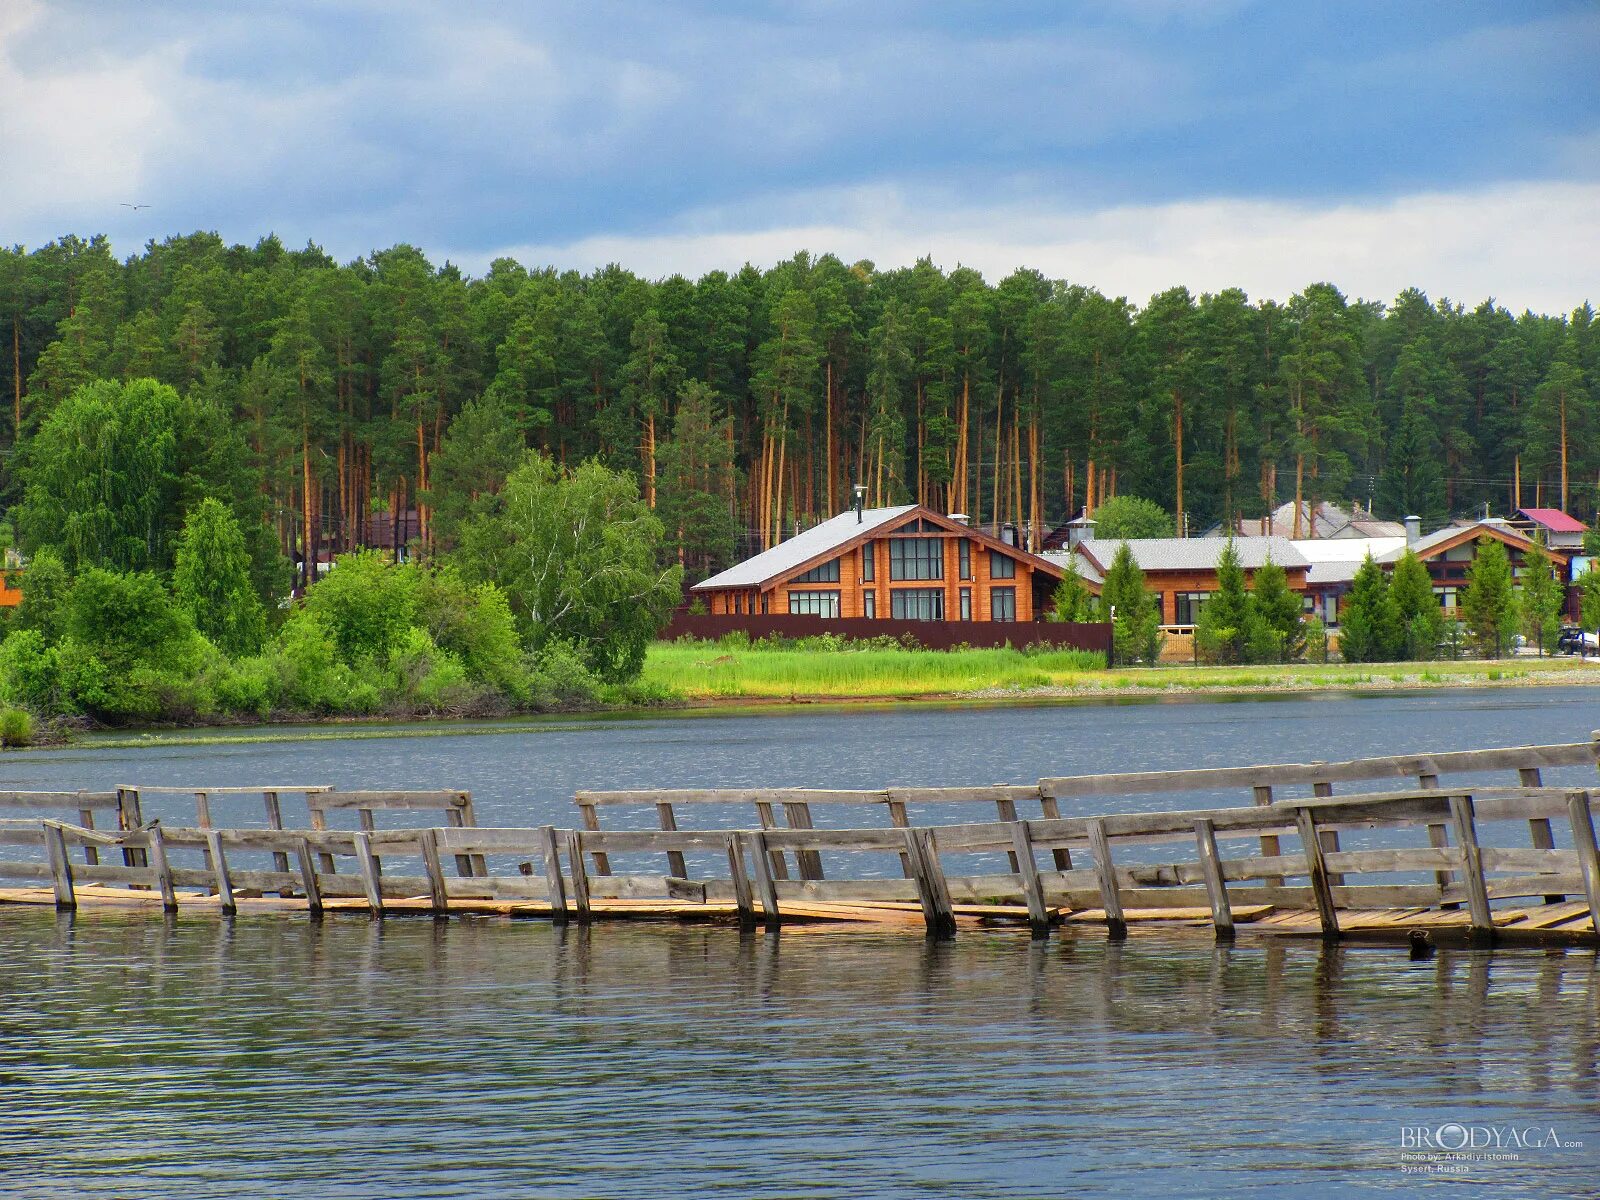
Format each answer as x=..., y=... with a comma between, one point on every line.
x=1454, y=1137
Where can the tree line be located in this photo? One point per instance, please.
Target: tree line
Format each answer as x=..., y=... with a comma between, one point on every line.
x=748, y=404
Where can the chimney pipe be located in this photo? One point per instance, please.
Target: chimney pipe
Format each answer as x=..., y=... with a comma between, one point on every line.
x=860, y=501
x=1413, y=530
x=1008, y=534
x=1079, y=532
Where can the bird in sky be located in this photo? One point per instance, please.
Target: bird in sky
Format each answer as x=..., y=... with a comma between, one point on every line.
x=135, y=207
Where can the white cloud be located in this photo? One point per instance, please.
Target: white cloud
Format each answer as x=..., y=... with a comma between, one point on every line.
x=1529, y=245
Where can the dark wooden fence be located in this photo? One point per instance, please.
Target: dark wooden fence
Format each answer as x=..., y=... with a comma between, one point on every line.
x=935, y=635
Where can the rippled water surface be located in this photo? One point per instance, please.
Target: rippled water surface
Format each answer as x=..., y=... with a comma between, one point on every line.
x=151, y=1057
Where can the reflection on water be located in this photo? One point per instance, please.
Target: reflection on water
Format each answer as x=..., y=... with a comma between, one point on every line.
x=142, y=1057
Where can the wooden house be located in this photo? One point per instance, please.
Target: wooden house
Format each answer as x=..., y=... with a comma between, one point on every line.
x=903, y=563
x=1448, y=554
x=1182, y=572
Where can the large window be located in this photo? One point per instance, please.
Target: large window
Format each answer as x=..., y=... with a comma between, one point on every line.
x=964, y=558
x=1003, y=604
x=1002, y=566
x=869, y=604
x=966, y=604
x=916, y=604
x=916, y=558
x=827, y=572
x=1187, y=606
x=869, y=562
x=813, y=604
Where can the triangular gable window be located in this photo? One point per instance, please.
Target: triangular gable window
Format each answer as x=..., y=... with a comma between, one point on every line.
x=922, y=525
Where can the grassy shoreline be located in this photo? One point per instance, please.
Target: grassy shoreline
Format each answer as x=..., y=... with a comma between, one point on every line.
x=711, y=679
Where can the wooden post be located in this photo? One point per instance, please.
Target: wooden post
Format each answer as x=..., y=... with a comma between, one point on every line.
x=1006, y=808
x=219, y=870
x=937, y=912
x=91, y=856
x=741, y=883
x=162, y=868
x=1582, y=821
x=479, y=867
x=1328, y=837
x=669, y=821
x=202, y=816
x=367, y=865
x=1022, y=855
x=591, y=821
x=1462, y=815
x=440, y=896
x=129, y=818
x=1205, y=836
x=798, y=814
x=308, y=877
x=900, y=819
x=1271, y=847
x=1052, y=812
x=780, y=867
x=55, y=842
x=455, y=820
x=764, y=862
x=554, y=883
x=1437, y=837
x=280, y=858
x=1321, y=890
x=319, y=822
x=580, y=874
x=1106, y=872
x=1540, y=835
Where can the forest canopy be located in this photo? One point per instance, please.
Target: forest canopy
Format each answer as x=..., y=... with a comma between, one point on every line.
x=358, y=392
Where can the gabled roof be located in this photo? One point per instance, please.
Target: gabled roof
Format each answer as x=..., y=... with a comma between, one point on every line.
x=1194, y=554
x=1451, y=536
x=833, y=534
x=1554, y=520
x=838, y=534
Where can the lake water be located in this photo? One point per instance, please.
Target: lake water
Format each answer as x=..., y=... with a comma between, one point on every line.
x=150, y=1057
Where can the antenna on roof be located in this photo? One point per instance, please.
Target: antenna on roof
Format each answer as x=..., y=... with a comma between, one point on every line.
x=860, y=500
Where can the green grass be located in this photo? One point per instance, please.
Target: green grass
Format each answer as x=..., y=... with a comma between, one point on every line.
x=829, y=669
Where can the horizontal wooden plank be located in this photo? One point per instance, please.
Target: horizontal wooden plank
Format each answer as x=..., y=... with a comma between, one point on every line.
x=732, y=796
x=426, y=800
x=834, y=839
x=286, y=789
x=1415, y=858
x=12, y=869
x=1520, y=858
x=29, y=801
x=1346, y=771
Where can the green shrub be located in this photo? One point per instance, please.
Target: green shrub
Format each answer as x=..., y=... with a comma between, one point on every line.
x=30, y=672
x=562, y=678
x=249, y=687
x=16, y=727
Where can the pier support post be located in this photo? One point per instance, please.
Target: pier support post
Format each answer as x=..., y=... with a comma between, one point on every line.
x=162, y=868
x=219, y=872
x=798, y=814
x=937, y=911
x=1061, y=856
x=1106, y=873
x=1271, y=847
x=591, y=822
x=763, y=861
x=440, y=896
x=1583, y=839
x=1462, y=815
x=1437, y=837
x=308, y=877
x=741, y=883
x=129, y=820
x=280, y=858
x=371, y=880
x=1028, y=869
x=1321, y=889
x=580, y=874
x=55, y=842
x=1205, y=836
x=668, y=821
x=553, y=882
x=1540, y=835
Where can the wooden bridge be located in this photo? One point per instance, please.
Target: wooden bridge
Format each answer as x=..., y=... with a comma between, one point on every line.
x=1409, y=849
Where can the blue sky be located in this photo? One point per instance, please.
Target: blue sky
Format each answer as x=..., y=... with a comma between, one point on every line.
x=1132, y=145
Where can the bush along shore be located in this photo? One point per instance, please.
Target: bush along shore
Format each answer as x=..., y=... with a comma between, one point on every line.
x=145, y=603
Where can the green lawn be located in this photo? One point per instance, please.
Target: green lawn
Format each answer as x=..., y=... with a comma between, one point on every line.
x=729, y=670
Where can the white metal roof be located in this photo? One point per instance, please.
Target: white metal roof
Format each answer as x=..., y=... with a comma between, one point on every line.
x=1424, y=544
x=1197, y=554
x=803, y=547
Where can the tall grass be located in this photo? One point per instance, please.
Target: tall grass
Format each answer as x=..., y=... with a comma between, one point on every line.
x=765, y=669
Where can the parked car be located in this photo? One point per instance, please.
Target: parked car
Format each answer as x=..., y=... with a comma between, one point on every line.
x=1575, y=641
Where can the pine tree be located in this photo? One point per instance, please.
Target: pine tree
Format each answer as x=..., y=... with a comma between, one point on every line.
x=1073, y=600
x=1421, y=619
x=1489, y=605
x=698, y=484
x=1369, y=619
x=1135, y=623
x=1412, y=480
x=1542, y=596
x=1226, y=623
x=1278, y=611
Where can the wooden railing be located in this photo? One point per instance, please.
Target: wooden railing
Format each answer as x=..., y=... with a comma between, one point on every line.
x=556, y=871
x=1263, y=783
